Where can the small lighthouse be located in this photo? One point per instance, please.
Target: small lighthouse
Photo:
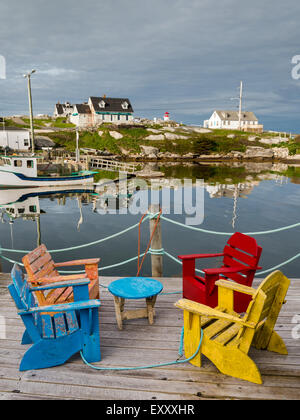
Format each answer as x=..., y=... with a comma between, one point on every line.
x=167, y=116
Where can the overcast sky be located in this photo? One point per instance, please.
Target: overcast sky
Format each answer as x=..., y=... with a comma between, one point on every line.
x=182, y=56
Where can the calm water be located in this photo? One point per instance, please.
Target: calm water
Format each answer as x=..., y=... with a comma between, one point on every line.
x=235, y=199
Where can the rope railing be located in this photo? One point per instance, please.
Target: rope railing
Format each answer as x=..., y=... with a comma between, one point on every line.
x=213, y=232
x=151, y=251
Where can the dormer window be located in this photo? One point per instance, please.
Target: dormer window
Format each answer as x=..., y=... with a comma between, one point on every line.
x=125, y=105
x=102, y=104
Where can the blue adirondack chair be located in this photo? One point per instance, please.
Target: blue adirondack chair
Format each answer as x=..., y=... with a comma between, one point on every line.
x=57, y=332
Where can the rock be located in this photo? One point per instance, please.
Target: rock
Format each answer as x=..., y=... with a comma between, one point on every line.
x=281, y=152
x=153, y=130
x=253, y=138
x=231, y=136
x=202, y=130
x=189, y=156
x=254, y=152
x=100, y=133
x=169, y=129
x=116, y=135
x=171, y=136
x=150, y=151
x=155, y=137
x=274, y=140
x=125, y=152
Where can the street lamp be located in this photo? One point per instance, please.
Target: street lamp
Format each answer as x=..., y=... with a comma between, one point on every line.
x=28, y=75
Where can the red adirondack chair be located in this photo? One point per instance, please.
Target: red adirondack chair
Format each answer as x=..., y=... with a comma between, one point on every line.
x=240, y=261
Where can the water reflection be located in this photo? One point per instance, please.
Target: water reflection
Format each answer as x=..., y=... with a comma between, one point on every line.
x=238, y=198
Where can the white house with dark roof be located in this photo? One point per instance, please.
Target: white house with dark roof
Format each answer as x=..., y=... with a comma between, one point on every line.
x=102, y=109
x=63, y=110
x=231, y=120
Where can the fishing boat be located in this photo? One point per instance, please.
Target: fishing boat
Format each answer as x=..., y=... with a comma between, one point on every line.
x=10, y=197
x=22, y=171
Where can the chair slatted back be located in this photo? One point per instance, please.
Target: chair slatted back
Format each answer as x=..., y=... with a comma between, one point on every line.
x=38, y=264
x=23, y=297
x=242, y=250
x=264, y=309
x=50, y=326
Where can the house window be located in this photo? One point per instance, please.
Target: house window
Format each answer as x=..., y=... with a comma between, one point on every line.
x=102, y=104
x=125, y=105
x=32, y=209
x=29, y=163
x=26, y=142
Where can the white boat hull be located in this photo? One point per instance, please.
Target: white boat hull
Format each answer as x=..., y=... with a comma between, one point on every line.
x=18, y=180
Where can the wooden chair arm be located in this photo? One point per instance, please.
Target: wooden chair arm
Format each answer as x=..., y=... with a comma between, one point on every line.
x=236, y=287
x=224, y=270
x=78, y=262
x=203, y=310
x=57, y=279
x=58, y=285
x=64, y=307
x=197, y=256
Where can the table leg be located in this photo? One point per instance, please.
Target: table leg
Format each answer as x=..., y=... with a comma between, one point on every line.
x=150, y=308
x=119, y=307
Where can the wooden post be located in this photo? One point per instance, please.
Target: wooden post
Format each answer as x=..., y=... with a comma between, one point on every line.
x=156, y=260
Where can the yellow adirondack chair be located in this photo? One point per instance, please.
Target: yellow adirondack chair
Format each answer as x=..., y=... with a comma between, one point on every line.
x=228, y=336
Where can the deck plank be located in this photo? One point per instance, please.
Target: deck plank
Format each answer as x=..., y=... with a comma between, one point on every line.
x=141, y=344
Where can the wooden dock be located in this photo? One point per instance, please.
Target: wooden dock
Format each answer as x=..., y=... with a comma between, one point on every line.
x=112, y=165
x=141, y=344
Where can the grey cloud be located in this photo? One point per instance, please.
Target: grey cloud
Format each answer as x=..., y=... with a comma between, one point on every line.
x=184, y=56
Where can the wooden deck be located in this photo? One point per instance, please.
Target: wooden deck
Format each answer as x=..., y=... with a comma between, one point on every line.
x=141, y=344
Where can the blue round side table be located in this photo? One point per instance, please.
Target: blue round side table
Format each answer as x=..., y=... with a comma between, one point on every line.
x=135, y=288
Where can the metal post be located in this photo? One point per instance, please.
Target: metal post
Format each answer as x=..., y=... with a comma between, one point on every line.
x=28, y=76
x=77, y=147
x=240, y=107
x=156, y=260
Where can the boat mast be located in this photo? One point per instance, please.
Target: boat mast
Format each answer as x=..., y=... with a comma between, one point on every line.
x=240, y=106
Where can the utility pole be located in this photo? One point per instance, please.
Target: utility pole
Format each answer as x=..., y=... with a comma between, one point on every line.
x=240, y=106
x=77, y=146
x=28, y=76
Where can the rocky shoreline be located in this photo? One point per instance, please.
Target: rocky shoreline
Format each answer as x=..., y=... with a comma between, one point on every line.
x=252, y=154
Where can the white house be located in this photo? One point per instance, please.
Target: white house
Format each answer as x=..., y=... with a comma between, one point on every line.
x=15, y=138
x=63, y=110
x=230, y=120
x=102, y=109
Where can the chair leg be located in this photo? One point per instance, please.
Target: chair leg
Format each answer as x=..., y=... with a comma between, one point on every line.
x=192, y=337
x=232, y=362
x=89, y=321
x=276, y=344
x=92, y=273
x=26, y=339
x=51, y=352
x=150, y=302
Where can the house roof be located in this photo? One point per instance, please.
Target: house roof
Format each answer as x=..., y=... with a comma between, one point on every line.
x=13, y=129
x=59, y=109
x=111, y=104
x=83, y=109
x=234, y=115
x=43, y=142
